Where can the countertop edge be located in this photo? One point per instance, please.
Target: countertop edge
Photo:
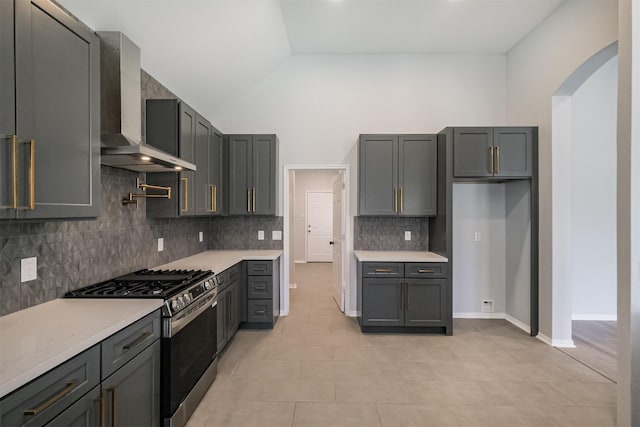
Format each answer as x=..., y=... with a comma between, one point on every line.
x=398, y=256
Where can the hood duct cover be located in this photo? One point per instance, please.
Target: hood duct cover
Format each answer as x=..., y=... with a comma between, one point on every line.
x=121, y=115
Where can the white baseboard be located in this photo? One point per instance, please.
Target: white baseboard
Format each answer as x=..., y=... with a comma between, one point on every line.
x=518, y=323
x=299, y=261
x=545, y=339
x=292, y=286
x=352, y=313
x=556, y=342
x=478, y=315
x=608, y=317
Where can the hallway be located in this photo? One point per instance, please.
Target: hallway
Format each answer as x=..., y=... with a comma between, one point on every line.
x=316, y=369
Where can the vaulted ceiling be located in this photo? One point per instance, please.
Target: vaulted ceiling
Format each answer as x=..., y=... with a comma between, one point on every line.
x=209, y=51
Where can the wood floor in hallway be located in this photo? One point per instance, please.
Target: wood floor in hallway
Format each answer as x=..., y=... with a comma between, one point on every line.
x=316, y=368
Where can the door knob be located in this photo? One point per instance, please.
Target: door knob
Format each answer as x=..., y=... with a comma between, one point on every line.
x=331, y=243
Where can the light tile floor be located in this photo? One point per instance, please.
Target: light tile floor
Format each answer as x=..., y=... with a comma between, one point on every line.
x=316, y=368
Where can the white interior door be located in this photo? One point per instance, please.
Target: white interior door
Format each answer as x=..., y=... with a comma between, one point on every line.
x=338, y=236
x=319, y=226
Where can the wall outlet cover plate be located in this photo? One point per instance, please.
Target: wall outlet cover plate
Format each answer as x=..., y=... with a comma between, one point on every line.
x=200, y=236
x=260, y=234
x=28, y=269
x=160, y=244
x=276, y=235
x=407, y=235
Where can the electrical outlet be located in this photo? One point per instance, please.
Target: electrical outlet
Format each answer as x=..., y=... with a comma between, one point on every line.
x=260, y=234
x=486, y=306
x=276, y=235
x=200, y=236
x=407, y=235
x=28, y=269
x=160, y=244
x=476, y=236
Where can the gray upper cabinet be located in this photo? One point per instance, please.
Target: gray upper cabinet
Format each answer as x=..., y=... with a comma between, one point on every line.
x=215, y=184
x=492, y=152
x=203, y=195
x=252, y=176
x=397, y=175
x=49, y=113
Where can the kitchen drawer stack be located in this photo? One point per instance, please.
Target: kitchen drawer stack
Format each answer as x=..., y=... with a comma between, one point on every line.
x=404, y=297
x=263, y=296
x=115, y=382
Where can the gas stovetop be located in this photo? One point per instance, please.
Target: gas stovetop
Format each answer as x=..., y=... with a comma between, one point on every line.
x=144, y=284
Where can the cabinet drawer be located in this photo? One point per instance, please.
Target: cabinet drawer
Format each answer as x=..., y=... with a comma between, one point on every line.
x=259, y=268
x=260, y=311
x=428, y=269
x=84, y=413
x=259, y=287
x=52, y=392
x=123, y=346
x=382, y=269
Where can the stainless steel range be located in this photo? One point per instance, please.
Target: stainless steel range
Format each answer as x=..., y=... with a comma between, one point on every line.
x=189, y=319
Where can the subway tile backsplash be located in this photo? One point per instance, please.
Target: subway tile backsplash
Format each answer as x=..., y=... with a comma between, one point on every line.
x=73, y=254
x=387, y=233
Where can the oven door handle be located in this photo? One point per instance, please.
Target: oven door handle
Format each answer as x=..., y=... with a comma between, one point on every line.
x=182, y=320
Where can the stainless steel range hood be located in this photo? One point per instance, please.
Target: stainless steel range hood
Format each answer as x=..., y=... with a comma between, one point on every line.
x=121, y=115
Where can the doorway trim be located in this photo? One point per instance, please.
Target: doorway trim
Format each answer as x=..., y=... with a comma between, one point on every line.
x=348, y=231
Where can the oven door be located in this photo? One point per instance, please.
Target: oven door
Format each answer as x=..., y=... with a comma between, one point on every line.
x=188, y=348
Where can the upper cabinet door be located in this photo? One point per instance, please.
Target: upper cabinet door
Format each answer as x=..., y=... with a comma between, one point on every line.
x=57, y=113
x=264, y=175
x=203, y=202
x=473, y=152
x=378, y=175
x=417, y=175
x=7, y=110
x=187, y=152
x=240, y=174
x=513, y=152
x=215, y=172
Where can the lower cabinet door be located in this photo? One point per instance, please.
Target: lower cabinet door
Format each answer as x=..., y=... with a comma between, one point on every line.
x=425, y=302
x=382, y=302
x=132, y=393
x=86, y=412
x=221, y=320
x=233, y=315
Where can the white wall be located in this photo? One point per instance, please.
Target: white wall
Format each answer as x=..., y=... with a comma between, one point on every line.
x=318, y=105
x=593, y=195
x=536, y=67
x=307, y=180
x=479, y=267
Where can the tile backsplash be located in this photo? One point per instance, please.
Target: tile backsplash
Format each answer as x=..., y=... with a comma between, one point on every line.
x=387, y=233
x=73, y=254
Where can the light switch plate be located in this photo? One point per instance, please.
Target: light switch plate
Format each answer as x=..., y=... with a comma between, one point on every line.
x=260, y=234
x=200, y=236
x=486, y=306
x=276, y=235
x=28, y=269
x=407, y=235
x=160, y=244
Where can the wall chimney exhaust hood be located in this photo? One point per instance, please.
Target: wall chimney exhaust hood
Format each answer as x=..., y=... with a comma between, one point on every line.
x=121, y=115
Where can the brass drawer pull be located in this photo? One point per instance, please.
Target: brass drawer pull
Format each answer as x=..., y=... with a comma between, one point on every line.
x=425, y=271
x=32, y=175
x=214, y=197
x=491, y=159
x=72, y=385
x=186, y=195
x=383, y=270
x=137, y=341
x=248, y=200
x=254, y=199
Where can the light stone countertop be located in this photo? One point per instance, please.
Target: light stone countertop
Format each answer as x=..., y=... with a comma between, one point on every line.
x=39, y=338
x=398, y=256
x=218, y=261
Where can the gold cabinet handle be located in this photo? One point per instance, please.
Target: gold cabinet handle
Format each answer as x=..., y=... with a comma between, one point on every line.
x=424, y=271
x=137, y=341
x=248, y=199
x=383, y=270
x=395, y=200
x=214, y=193
x=254, y=199
x=498, y=159
x=186, y=195
x=491, y=159
x=71, y=385
x=401, y=197
x=32, y=176
x=14, y=171
x=113, y=407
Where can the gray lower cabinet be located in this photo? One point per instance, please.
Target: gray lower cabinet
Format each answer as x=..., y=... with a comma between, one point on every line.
x=50, y=113
x=505, y=152
x=119, y=377
x=397, y=175
x=228, y=319
x=252, y=174
x=403, y=297
x=262, y=292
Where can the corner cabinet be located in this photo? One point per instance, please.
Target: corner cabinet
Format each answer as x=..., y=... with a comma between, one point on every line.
x=178, y=129
x=504, y=152
x=397, y=175
x=252, y=167
x=404, y=297
x=49, y=113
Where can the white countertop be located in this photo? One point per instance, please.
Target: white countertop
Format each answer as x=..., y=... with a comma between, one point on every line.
x=398, y=256
x=218, y=261
x=39, y=338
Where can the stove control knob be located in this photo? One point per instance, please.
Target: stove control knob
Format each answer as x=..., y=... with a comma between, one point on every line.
x=187, y=298
x=175, y=305
x=208, y=285
x=181, y=302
